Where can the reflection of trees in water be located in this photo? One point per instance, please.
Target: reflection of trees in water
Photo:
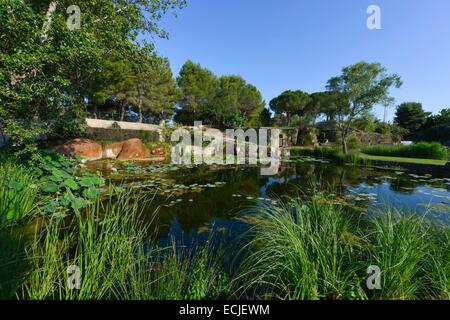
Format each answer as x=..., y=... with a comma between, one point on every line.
x=211, y=203
x=293, y=180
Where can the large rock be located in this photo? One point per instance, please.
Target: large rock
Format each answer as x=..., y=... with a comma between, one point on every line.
x=158, y=151
x=134, y=149
x=85, y=148
x=112, y=151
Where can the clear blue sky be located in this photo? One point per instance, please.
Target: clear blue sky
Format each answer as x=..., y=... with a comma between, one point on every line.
x=299, y=44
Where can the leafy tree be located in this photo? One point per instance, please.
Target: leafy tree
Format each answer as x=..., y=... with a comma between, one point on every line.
x=198, y=88
x=290, y=103
x=228, y=101
x=411, y=116
x=358, y=89
x=49, y=74
x=157, y=93
x=324, y=103
x=437, y=127
x=123, y=85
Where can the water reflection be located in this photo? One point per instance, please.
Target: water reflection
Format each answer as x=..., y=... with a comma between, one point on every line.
x=200, y=197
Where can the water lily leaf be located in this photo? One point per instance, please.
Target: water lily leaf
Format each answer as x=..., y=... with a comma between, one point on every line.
x=70, y=183
x=50, y=187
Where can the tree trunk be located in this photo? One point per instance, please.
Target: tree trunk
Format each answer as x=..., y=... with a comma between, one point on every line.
x=95, y=111
x=122, y=115
x=344, y=142
x=141, y=118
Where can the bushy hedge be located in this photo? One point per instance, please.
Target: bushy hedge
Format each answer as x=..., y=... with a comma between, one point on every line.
x=421, y=150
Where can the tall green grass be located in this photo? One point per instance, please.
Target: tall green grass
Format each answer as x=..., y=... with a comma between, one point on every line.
x=421, y=150
x=18, y=193
x=117, y=258
x=303, y=252
x=413, y=254
x=322, y=251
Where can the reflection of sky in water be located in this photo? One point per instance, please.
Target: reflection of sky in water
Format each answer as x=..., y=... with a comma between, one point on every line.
x=422, y=199
x=219, y=209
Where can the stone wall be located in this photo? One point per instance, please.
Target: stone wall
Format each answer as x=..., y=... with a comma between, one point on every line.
x=105, y=130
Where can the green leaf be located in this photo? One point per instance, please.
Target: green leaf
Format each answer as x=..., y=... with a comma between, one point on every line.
x=78, y=203
x=50, y=187
x=70, y=183
x=91, y=193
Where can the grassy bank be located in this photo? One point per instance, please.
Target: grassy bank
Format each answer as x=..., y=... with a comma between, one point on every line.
x=322, y=251
x=403, y=160
x=421, y=150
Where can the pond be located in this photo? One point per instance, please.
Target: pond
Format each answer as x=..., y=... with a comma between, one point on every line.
x=193, y=200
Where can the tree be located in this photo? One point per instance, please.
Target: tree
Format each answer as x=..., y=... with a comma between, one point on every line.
x=290, y=103
x=411, y=116
x=324, y=103
x=198, y=88
x=235, y=104
x=123, y=85
x=358, y=89
x=45, y=78
x=437, y=127
x=228, y=101
x=157, y=93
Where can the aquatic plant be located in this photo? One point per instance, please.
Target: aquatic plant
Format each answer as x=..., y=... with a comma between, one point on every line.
x=319, y=251
x=116, y=258
x=302, y=251
x=18, y=193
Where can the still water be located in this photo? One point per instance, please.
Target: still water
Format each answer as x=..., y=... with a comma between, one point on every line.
x=193, y=201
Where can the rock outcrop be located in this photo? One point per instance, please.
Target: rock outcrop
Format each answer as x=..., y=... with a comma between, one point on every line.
x=112, y=151
x=134, y=149
x=158, y=151
x=85, y=148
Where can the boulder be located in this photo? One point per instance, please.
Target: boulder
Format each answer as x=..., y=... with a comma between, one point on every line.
x=112, y=151
x=85, y=148
x=134, y=149
x=158, y=151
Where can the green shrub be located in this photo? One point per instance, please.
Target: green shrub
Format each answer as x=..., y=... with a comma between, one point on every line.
x=422, y=150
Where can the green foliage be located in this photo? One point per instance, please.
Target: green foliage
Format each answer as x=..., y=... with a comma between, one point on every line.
x=421, y=150
x=357, y=90
x=46, y=75
x=414, y=255
x=303, y=251
x=354, y=143
x=106, y=240
x=410, y=116
x=318, y=250
x=224, y=102
x=18, y=193
x=58, y=179
x=291, y=103
x=437, y=128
